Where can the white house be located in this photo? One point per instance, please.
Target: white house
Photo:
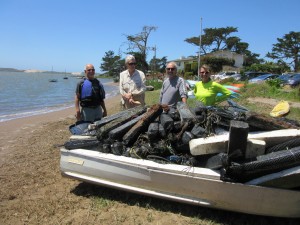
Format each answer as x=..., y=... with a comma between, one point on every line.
x=238, y=59
x=183, y=60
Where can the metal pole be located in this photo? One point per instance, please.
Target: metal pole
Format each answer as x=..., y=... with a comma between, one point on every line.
x=199, y=57
x=155, y=58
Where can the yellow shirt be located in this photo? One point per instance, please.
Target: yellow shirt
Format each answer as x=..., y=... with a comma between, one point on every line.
x=207, y=92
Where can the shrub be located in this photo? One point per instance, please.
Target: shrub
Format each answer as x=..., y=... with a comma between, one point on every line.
x=274, y=83
x=188, y=75
x=157, y=84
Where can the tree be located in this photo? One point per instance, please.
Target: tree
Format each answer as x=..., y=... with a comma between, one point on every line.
x=158, y=64
x=112, y=64
x=140, y=42
x=213, y=39
x=287, y=48
x=251, y=58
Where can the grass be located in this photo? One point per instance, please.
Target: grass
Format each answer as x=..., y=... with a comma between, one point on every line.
x=266, y=91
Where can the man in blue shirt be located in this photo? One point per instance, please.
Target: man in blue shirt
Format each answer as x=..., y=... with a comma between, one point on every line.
x=90, y=97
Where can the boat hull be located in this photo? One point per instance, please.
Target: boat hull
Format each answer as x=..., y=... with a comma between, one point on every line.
x=192, y=185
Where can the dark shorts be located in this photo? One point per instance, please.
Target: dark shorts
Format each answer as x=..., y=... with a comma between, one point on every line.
x=91, y=113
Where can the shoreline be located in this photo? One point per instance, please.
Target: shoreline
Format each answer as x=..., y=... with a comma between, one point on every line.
x=42, y=111
x=11, y=130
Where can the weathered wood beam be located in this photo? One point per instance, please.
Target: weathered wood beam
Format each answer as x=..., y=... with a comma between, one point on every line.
x=238, y=133
x=118, y=133
x=131, y=136
x=102, y=132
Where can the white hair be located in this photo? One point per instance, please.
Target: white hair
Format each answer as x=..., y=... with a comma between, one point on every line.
x=89, y=64
x=129, y=58
x=173, y=63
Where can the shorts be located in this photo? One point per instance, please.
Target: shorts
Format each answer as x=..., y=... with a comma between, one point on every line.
x=91, y=114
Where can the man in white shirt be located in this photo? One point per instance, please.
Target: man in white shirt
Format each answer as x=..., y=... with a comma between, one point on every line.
x=132, y=84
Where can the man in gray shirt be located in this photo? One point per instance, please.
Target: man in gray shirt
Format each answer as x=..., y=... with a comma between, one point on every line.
x=173, y=89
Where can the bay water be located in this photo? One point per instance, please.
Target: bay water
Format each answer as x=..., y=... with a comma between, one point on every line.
x=26, y=94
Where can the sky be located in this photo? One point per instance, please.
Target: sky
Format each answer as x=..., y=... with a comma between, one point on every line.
x=67, y=34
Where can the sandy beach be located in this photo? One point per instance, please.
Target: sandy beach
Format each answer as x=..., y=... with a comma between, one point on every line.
x=32, y=189
x=34, y=192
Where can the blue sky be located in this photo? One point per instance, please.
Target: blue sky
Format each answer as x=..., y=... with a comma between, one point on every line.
x=67, y=34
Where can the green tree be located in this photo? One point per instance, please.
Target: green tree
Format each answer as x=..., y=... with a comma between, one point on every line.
x=287, y=48
x=140, y=42
x=111, y=64
x=213, y=39
x=158, y=64
x=251, y=58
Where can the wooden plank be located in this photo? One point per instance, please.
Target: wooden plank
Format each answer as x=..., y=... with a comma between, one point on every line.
x=119, y=132
x=131, y=136
x=102, y=132
x=82, y=137
x=108, y=119
x=255, y=148
x=217, y=144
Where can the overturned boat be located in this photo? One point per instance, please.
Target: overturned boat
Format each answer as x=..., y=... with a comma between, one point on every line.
x=217, y=158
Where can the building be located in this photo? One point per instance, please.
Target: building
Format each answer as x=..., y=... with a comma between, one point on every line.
x=238, y=58
x=183, y=60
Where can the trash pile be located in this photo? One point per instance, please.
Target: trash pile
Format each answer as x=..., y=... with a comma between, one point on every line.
x=211, y=137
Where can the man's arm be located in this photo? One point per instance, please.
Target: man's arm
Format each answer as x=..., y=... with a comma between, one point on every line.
x=77, y=108
x=102, y=104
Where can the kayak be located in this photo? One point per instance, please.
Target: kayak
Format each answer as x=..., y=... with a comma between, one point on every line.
x=281, y=109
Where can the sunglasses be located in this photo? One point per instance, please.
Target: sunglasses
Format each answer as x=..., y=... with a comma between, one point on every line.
x=89, y=70
x=131, y=64
x=172, y=69
x=203, y=72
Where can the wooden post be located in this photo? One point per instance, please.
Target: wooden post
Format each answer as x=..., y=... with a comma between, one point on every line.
x=238, y=134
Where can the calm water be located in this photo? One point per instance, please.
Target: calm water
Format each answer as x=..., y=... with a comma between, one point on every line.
x=27, y=94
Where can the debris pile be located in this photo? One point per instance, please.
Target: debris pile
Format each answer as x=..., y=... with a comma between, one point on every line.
x=212, y=137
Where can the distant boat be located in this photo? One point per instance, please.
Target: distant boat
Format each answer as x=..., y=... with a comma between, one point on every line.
x=65, y=77
x=52, y=79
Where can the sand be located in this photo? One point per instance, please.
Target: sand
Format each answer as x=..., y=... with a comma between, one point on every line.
x=32, y=189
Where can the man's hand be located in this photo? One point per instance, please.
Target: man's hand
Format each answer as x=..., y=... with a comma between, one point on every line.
x=127, y=96
x=78, y=115
x=104, y=114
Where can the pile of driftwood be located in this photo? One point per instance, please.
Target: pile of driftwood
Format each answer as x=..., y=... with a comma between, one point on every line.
x=177, y=135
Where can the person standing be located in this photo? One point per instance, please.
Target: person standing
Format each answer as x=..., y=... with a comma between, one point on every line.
x=89, y=97
x=132, y=84
x=207, y=90
x=173, y=89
